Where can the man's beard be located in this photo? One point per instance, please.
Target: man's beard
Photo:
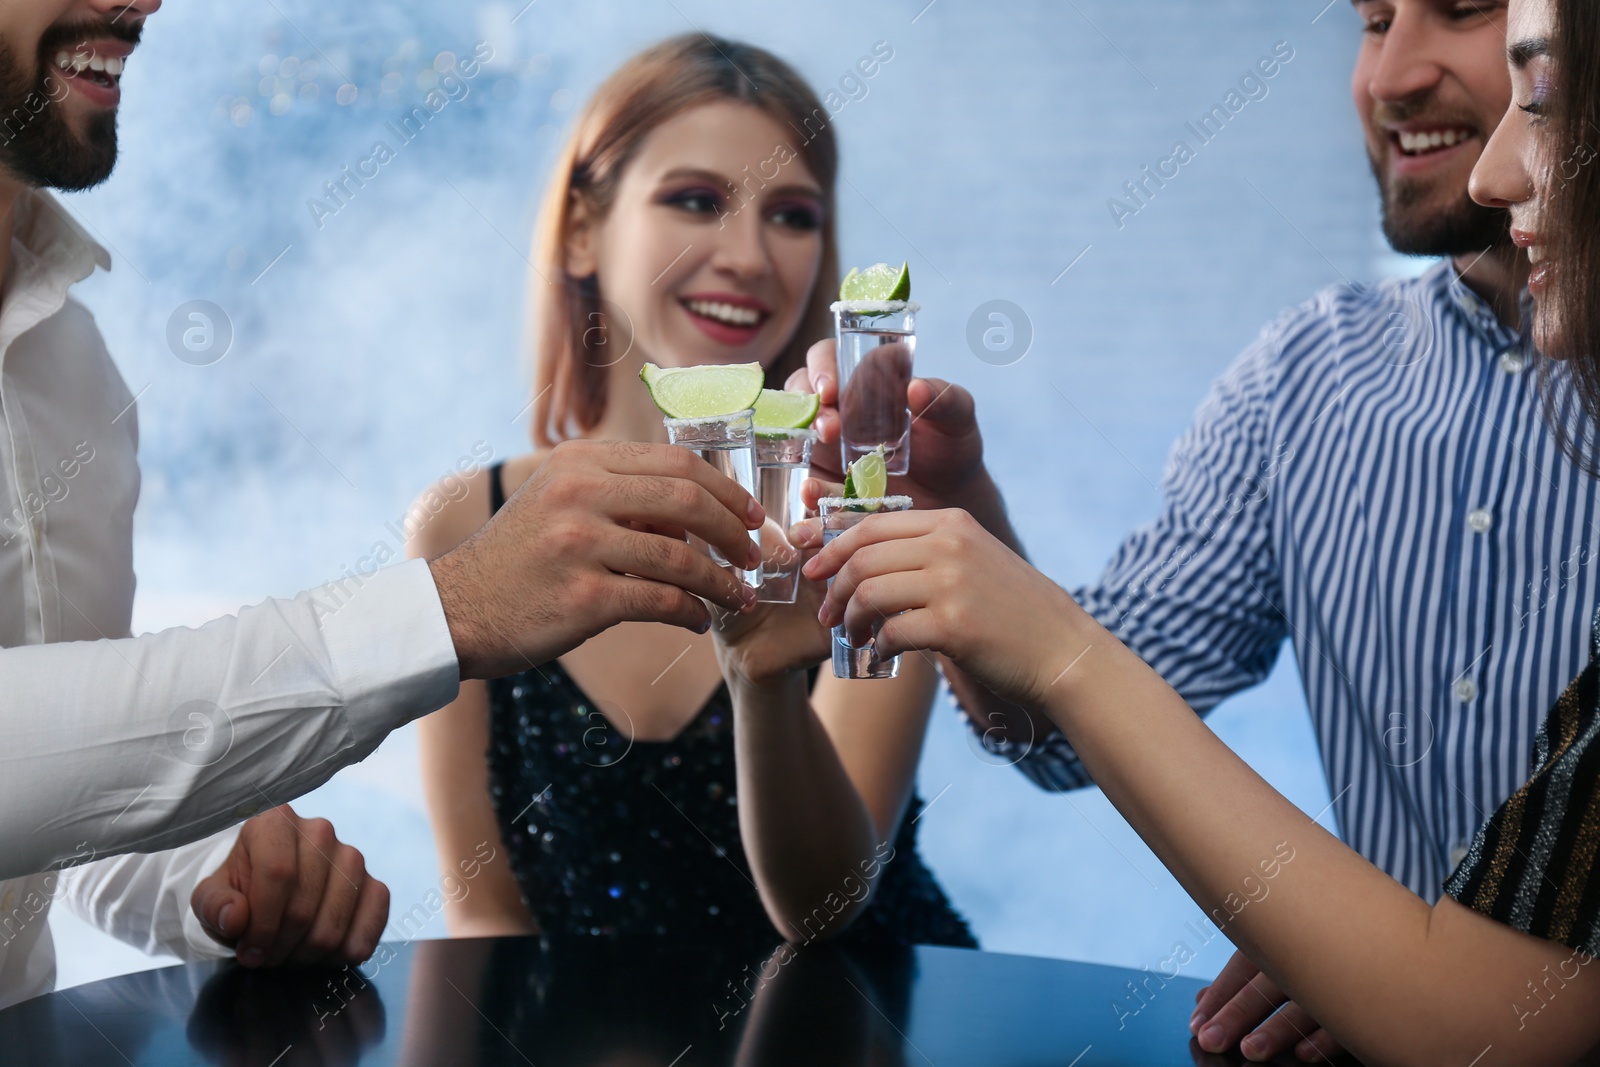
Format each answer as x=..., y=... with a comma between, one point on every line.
x=37, y=146
x=1462, y=229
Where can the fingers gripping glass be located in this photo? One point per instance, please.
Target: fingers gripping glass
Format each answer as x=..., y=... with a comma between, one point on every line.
x=838, y=515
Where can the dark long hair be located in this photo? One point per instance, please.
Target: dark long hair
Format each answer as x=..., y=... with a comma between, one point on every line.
x=570, y=357
x=1572, y=393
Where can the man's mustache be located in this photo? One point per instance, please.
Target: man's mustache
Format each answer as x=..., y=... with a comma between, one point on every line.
x=1385, y=115
x=65, y=36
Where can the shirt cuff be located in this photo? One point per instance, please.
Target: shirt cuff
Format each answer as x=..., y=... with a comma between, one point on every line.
x=202, y=946
x=389, y=646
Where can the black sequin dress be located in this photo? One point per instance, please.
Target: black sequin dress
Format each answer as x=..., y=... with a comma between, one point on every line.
x=611, y=838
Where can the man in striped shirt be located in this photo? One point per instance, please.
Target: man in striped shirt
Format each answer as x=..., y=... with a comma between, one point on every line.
x=1372, y=479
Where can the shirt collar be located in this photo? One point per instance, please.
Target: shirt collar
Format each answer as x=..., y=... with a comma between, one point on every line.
x=50, y=253
x=55, y=238
x=1477, y=313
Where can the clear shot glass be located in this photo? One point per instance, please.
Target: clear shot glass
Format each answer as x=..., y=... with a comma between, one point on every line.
x=839, y=515
x=727, y=442
x=783, y=462
x=877, y=342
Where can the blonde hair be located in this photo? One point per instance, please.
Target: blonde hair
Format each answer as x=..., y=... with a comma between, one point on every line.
x=571, y=329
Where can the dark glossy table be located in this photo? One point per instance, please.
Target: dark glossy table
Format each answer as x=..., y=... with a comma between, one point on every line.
x=626, y=1004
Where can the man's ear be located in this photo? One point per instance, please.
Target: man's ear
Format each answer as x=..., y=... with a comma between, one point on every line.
x=583, y=240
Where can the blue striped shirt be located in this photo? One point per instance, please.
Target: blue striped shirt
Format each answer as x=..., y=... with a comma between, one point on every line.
x=1372, y=480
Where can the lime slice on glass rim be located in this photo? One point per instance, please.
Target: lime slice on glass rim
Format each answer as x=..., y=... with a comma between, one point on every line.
x=867, y=479
x=878, y=282
x=704, y=392
x=777, y=409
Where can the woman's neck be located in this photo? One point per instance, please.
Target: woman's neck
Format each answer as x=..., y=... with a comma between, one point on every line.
x=630, y=414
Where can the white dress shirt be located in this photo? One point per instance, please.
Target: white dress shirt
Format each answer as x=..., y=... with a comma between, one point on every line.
x=111, y=744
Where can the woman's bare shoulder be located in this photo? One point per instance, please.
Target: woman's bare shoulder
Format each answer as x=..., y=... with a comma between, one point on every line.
x=455, y=507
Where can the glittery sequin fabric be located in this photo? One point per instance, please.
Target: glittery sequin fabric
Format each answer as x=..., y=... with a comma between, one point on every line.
x=1532, y=865
x=608, y=838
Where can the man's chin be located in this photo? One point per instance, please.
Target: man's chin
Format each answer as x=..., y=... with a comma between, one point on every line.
x=1460, y=232
x=64, y=161
x=1433, y=215
x=1433, y=219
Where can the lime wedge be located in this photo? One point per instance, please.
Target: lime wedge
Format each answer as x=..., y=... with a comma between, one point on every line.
x=779, y=410
x=878, y=282
x=867, y=478
x=703, y=392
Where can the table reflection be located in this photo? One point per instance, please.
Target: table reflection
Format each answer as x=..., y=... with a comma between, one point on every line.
x=605, y=1003
x=620, y=1003
x=866, y=1008
x=257, y=1018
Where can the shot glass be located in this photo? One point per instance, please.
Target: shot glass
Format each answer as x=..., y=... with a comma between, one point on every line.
x=727, y=442
x=783, y=462
x=839, y=515
x=877, y=343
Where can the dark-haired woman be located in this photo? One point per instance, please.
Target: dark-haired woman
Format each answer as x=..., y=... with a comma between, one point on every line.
x=1502, y=969
x=690, y=220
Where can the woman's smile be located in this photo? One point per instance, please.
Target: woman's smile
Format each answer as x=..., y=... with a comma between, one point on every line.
x=1543, y=268
x=725, y=317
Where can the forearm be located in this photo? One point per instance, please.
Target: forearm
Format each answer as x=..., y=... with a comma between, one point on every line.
x=990, y=715
x=1368, y=959
x=144, y=900
x=466, y=832
x=809, y=836
x=147, y=743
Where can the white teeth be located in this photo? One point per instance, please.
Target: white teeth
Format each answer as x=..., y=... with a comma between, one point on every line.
x=78, y=62
x=1424, y=142
x=735, y=316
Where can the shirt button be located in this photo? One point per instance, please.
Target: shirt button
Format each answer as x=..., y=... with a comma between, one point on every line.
x=1512, y=361
x=245, y=811
x=8, y=901
x=1459, y=853
x=1465, y=690
x=1480, y=520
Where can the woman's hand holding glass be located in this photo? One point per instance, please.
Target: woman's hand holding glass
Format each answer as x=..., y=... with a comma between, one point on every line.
x=773, y=643
x=937, y=580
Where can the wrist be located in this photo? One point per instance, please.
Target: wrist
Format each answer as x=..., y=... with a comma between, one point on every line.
x=1077, y=648
x=458, y=612
x=785, y=689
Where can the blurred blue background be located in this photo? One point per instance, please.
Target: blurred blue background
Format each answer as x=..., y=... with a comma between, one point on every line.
x=374, y=347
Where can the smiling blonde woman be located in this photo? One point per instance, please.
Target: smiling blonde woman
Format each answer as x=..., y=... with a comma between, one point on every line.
x=648, y=781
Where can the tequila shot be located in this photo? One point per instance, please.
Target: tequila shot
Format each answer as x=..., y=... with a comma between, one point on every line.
x=877, y=340
x=783, y=462
x=727, y=442
x=838, y=515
